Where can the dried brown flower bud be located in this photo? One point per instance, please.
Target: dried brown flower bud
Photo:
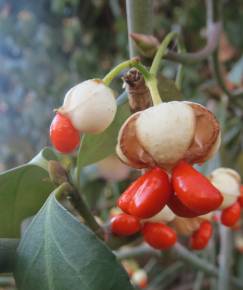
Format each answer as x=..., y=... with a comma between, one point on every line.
x=138, y=94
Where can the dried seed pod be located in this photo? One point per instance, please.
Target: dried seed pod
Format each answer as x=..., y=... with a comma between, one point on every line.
x=138, y=94
x=227, y=181
x=164, y=134
x=90, y=106
x=166, y=215
x=207, y=137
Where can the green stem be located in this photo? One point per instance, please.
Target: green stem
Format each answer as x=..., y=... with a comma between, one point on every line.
x=118, y=69
x=153, y=88
x=198, y=285
x=161, y=52
x=143, y=70
x=139, y=20
x=77, y=201
x=80, y=205
x=225, y=256
x=63, y=190
x=152, y=81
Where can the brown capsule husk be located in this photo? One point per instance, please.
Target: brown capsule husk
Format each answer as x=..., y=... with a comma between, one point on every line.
x=138, y=94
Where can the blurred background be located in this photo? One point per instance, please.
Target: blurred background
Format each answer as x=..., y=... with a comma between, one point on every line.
x=47, y=46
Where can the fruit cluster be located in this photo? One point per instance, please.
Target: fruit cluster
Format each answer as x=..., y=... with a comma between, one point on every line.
x=165, y=141
x=187, y=193
x=185, y=200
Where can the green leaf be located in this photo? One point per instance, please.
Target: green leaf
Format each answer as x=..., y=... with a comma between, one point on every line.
x=43, y=157
x=23, y=190
x=97, y=147
x=59, y=253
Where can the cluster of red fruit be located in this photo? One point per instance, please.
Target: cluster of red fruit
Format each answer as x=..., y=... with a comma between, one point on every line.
x=188, y=194
x=172, y=136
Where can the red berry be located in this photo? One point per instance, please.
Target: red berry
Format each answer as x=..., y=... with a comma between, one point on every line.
x=147, y=195
x=200, y=238
x=125, y=225
x=158, y=235
x=240, y=198
x=179, y=208
x=231, y=215
x=64, y=137
x=194, y=190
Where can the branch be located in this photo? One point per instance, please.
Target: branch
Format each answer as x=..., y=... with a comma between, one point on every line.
x=183, y=254
x=139, y=20
x=225, y=257
x=214, y=12
x=213, y=34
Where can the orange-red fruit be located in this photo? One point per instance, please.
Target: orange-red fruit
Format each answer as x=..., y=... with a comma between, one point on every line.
x=125, y=225
x=231, y=215
x=64, y=137
x=179, y=208
x=240, y=198
x=200, y=238
x=147, y=195
x=194, y=190
x=159, y=236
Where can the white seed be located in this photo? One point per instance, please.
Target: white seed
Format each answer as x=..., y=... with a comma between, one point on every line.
x=166, y=131
x=166, y=215
x=227, y=181
x=90, y=106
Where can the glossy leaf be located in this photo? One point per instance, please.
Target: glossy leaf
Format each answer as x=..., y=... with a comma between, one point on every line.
x=59, y=253
x=97, y=147
x=23, y=190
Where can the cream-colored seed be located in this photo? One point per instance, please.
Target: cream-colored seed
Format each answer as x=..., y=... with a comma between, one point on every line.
x=227, y=181
x=90, y=106
x=166, y=131
x=166, y=215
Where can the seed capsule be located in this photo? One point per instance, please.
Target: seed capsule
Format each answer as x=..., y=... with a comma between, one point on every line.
x=90, y=106
x=167, y=133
